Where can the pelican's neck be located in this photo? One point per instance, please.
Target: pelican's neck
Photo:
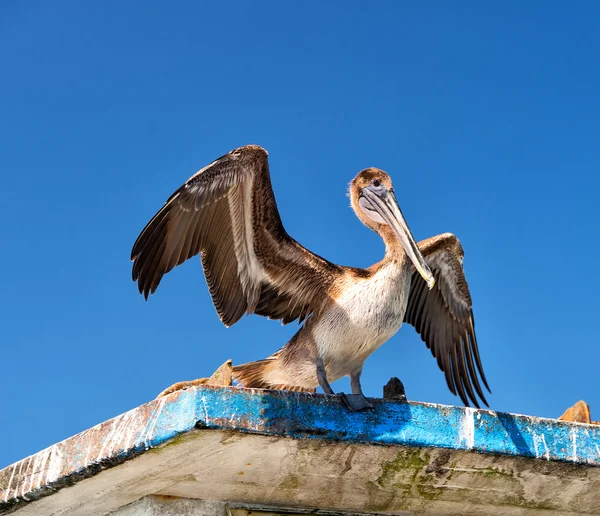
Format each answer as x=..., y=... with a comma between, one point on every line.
x=394, y=252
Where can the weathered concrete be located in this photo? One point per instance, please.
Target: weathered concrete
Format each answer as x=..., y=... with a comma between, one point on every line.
x=171, y=506
x=161, y=506
x=306, y=450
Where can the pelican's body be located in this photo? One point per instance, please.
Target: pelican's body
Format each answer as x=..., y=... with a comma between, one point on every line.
x=365, y=314
x=227, y=212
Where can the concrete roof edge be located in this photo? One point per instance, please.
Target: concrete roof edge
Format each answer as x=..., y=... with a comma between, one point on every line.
x=297, y=415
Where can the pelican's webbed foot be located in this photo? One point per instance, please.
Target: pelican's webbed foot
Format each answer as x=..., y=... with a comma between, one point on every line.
x=355, y=401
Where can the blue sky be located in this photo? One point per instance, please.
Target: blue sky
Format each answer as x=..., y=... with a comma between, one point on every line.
x=486, y=117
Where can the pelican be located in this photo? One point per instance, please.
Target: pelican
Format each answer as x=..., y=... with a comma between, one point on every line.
x=227, y=213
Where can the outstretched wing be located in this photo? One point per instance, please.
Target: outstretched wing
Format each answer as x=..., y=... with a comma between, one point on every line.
x=443, y=316
x=227, y=212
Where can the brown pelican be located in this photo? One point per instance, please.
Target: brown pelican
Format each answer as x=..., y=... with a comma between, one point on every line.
x=227, y=213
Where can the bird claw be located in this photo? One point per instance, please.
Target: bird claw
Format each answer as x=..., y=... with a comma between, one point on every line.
x=355, y=402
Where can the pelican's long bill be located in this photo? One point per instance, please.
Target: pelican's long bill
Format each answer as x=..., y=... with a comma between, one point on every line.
x=384, y=202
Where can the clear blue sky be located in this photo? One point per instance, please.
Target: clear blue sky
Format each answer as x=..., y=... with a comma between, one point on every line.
x=487, y=118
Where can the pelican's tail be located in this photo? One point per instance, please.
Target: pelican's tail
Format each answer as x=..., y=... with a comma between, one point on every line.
x=252, y=374
x=256, y=375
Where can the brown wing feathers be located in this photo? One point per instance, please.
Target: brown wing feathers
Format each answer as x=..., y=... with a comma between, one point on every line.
x=178, y=232
x=444, y=318
x=220, y=267
x=227, y=212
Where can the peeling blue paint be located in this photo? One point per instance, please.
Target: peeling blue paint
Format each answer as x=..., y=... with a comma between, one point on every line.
x=296, y=415
x=303, y=415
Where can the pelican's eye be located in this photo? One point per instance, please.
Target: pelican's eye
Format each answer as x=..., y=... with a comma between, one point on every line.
x=376, y=183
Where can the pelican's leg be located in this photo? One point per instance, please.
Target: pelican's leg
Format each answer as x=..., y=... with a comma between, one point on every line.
x=322, y=377
x=356, y=400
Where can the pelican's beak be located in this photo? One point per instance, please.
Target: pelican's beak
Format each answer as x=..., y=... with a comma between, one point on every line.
x=384, y=202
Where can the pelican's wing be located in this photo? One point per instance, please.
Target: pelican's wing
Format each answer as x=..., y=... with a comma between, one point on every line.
x=227, y=212
x=444, y=318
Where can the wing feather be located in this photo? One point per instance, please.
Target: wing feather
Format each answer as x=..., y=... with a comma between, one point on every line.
x=443, y=317
x=227, y=213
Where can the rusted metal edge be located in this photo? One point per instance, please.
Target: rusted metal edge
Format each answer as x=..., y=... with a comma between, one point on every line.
x=296, y=415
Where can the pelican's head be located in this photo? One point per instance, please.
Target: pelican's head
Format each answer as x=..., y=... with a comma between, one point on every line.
x=374, y=202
